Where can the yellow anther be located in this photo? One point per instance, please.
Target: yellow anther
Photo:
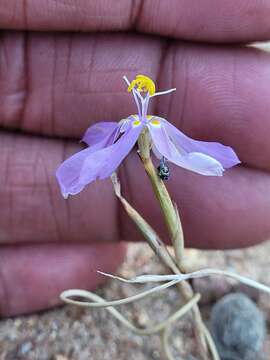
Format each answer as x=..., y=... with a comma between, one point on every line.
x=143, y=84
x=155, y=122
x=134, y=117
x=136, y=123
x=149, y=117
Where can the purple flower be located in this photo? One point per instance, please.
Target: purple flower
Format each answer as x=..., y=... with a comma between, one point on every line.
x=110, y=142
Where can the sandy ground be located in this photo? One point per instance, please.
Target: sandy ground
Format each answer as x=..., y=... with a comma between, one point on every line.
x=71, y=333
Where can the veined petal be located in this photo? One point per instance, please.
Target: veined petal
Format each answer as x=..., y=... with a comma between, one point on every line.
x=100, y=134
x=68, y=173
x=88, y=165
x=202, y=164
x=101, y=164
x=224, y=154
x=197, y=162
x=157, y=154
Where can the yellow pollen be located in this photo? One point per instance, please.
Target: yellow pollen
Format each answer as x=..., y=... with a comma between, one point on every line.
x=136, y=123
x=155, y=122
x=143, y=84
x=148, y=117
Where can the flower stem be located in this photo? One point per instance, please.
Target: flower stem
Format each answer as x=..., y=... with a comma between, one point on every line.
x=174, y=226
x=148, y=232
x=169, y=210
x=157, y=184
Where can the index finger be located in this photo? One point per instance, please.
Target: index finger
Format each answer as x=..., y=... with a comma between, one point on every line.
x=208, y=20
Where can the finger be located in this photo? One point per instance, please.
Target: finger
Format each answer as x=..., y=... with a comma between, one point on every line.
x=225, y=212
x=222, y=92
x=32, y=208
x=231, y=20
x=33, y=276
x=217, y=212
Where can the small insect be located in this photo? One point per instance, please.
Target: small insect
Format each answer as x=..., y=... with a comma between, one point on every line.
x=163, y=170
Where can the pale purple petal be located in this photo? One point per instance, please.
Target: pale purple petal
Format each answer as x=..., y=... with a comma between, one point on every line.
x=157, y=154
x=103, y=163
x=101, y=133
x=202, y=164
x=224, y=154
x=69, y=171
x=197, y=162
x=88, y=165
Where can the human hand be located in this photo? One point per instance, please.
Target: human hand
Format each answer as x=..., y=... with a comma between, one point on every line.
x=55, y=84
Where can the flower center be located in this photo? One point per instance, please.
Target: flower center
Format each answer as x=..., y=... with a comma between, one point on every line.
x=144, y=84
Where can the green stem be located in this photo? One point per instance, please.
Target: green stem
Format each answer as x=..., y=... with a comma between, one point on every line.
x=169, y=209
x=174, y=226
x=158, y=186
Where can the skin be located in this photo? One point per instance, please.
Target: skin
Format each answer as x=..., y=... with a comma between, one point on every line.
x=54, y=84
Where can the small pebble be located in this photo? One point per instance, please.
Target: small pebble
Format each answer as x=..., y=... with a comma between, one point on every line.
x=156, y=355
x=26, y=347
x=238, y=327
x=60, y=357
x=141, y=319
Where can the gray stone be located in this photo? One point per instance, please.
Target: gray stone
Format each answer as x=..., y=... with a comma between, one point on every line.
x=26, y=347
x=238, y=327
